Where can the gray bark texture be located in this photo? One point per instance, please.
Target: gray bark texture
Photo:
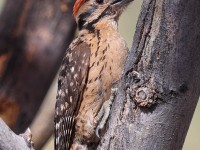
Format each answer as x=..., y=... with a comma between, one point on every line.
x=10, y=141
x=159, y=91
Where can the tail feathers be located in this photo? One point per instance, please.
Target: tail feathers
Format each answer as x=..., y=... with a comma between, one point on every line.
x=63, y=133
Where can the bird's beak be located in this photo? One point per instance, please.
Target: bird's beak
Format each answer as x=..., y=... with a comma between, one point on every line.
x=120, y=3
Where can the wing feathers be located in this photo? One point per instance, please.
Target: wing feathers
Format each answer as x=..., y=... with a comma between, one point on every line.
x=71, y=83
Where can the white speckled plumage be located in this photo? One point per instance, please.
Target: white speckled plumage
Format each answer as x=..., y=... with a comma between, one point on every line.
x=93, y=62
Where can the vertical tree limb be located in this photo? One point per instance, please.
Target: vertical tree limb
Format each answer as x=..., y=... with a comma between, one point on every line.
x=42, y=126
x=34, y=37
x=160, y=88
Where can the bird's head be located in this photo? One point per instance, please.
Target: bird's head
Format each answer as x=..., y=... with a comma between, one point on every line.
x=89, y=12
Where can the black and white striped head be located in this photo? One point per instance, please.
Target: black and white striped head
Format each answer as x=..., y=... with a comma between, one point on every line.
x=89, y=12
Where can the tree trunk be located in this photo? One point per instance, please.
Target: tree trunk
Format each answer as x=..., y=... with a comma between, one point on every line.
x=159, y=91
x=34, y=37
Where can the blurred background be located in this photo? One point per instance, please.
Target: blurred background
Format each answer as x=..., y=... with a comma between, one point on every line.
x=25, y=30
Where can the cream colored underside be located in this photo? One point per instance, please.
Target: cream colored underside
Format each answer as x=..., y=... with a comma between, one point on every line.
x=100, y=81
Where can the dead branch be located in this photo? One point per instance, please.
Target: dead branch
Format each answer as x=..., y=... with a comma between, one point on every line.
x=9, y=140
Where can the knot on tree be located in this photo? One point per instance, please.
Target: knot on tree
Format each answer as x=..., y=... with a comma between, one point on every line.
x=144, y=96
x=142, y=91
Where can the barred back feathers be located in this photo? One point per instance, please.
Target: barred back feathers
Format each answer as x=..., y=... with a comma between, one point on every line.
x=71, y=82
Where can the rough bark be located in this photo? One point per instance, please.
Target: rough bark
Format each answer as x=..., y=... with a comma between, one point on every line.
x=160, y=87
x=34, y=37
x=9, y=140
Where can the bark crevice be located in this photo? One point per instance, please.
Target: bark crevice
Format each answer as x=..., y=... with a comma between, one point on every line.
x=160, y=80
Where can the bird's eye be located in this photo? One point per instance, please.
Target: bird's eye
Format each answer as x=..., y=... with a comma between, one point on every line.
x=100, y=1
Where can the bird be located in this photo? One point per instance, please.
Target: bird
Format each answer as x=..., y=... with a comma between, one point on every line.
x=92, y=65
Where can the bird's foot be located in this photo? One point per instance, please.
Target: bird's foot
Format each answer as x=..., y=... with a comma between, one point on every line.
x=27, y=135
x=105, y=111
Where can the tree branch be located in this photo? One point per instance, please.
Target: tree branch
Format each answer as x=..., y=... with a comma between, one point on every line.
x=9, y=140
x=34, y=37
x=160, y=89
x=42, y=126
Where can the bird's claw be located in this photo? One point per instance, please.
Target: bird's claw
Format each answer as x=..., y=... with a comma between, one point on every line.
x=97, y=132
x=104, y=112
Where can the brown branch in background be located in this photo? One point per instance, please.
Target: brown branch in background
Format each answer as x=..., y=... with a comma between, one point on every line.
x=42, y=126
x=34, y=37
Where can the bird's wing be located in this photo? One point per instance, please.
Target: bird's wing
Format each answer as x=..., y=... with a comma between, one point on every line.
x=71, y=83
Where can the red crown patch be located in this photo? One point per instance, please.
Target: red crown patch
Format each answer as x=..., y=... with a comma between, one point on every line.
x=77, y=5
